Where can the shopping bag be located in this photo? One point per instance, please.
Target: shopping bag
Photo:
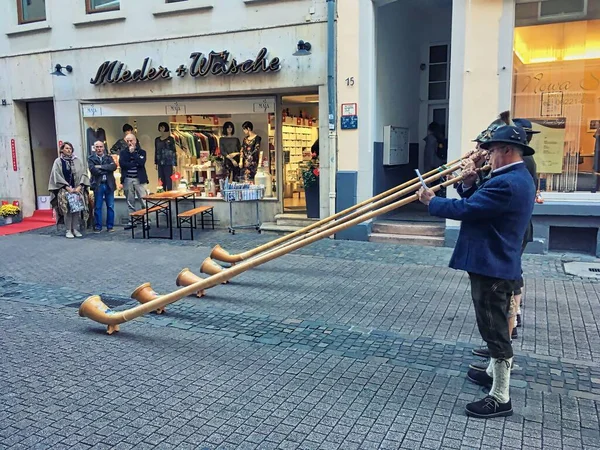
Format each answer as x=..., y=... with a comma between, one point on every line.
x=75, y=202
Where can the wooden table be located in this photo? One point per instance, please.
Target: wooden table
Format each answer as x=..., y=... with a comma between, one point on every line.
x=164, y=199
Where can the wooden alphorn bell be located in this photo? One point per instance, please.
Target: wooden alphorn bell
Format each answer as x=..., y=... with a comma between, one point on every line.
x=186, y=277
x=95, y=309
x=144, y=294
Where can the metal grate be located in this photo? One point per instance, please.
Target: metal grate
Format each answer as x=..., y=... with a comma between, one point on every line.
x=594, y=269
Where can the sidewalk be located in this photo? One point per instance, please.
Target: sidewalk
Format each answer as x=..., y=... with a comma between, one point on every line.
x=340, y=345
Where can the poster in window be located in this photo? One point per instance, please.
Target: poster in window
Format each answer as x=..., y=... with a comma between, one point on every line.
x=549, y=144
x=552, y=104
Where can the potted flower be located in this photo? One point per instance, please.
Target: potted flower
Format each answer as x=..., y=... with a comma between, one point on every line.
x=9, y=212
x=310, y=178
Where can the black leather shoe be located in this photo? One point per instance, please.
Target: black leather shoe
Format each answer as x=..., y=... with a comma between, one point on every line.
x=483, y=352
x=489, y=407
x=479, y=366
x=480, y=377
x=518, y=320
x=514, y=334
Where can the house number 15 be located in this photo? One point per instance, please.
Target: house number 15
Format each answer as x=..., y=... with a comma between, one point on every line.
x=350, y=81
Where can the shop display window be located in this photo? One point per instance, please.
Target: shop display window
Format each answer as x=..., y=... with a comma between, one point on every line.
x=208, y=149
x=557, y=86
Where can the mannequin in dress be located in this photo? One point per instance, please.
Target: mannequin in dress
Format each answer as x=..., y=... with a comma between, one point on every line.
x=165, y=155
x=230, y=150
x=250, y=151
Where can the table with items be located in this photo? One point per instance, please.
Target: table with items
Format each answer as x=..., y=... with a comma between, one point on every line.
x=163, y=200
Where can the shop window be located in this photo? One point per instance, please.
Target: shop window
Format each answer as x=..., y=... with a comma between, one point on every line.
x=31, y=11
x=552, y=8
x=96, y=6
x=209, y=149
x=557, y=86
x=438, y=72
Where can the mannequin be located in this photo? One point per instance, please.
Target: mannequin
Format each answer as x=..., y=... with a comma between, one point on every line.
x=165, y=155
x=250, y=159
x=230, y=150
x=94, y=133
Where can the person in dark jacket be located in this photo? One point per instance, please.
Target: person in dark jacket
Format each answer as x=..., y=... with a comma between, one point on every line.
x=495, y=216
x=102, y=168
x=532, y=169
x=133, y=173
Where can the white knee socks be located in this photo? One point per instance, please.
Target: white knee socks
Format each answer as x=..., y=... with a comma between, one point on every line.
x=501, y=374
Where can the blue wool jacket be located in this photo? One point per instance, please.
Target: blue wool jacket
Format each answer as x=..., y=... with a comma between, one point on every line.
x=494, y=218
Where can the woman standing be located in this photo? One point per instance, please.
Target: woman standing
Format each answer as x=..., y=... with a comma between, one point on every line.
x=68, y=185
x=250, y=151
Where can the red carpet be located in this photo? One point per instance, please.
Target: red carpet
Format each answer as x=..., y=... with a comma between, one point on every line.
x=40, y=219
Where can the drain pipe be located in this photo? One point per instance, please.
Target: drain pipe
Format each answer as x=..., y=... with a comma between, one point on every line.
x=331, y=92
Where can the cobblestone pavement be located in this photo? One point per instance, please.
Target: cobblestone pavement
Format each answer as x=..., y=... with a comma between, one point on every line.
x=338, y=345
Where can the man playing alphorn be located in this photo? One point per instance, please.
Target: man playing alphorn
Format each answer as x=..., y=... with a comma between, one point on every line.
x=494, y=216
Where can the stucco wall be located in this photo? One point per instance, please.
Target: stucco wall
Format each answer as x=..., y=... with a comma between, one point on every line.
x=28, y=76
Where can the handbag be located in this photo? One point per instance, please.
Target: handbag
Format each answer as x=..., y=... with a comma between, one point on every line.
x=75, y=202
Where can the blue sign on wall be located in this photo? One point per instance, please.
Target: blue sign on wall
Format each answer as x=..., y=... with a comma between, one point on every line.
x=349, y=122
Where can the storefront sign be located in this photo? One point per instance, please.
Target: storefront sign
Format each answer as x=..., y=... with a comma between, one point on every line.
x=13, y=150
x=549, y=144
x=215, y=63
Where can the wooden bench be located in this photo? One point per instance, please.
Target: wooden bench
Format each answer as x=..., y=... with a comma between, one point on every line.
x=139, y=217
x=189, y=217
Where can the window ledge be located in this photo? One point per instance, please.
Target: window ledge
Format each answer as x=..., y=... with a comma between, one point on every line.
x=34, y=27
x=100, y=18
x=249, y=2
x=178, y=8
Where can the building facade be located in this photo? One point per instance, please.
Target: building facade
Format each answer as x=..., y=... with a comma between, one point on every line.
x=459, y=63
x=78, y=70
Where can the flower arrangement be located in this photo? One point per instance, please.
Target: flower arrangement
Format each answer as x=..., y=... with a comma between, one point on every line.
x=310, y=173
x=9, y=210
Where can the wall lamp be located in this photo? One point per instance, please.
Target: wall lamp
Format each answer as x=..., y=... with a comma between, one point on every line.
x=58, y=70
x=303, y=49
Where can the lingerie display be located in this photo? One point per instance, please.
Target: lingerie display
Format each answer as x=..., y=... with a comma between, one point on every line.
x=250, y=157
x=230, y=151
x=93, y=135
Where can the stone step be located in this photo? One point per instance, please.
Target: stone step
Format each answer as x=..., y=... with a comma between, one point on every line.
x=274, y=227
x=293, y=220
x=408, y=228
x=407, y=239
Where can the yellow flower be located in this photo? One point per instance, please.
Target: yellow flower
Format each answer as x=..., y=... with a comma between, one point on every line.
x=9, y=210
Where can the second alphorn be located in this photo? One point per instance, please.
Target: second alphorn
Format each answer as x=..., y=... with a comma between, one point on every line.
x=211, y=268
x=220, y=254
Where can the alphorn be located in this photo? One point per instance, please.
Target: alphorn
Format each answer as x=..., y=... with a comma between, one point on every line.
x=95, y=309
x=415, y=186
x=220, y=254
x=211, y=268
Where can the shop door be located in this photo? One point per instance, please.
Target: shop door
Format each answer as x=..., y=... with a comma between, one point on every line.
x=44, y=149
x=439, y=114
x=435, y=89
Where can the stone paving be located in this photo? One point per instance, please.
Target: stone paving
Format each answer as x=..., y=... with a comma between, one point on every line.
x=339, y=345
